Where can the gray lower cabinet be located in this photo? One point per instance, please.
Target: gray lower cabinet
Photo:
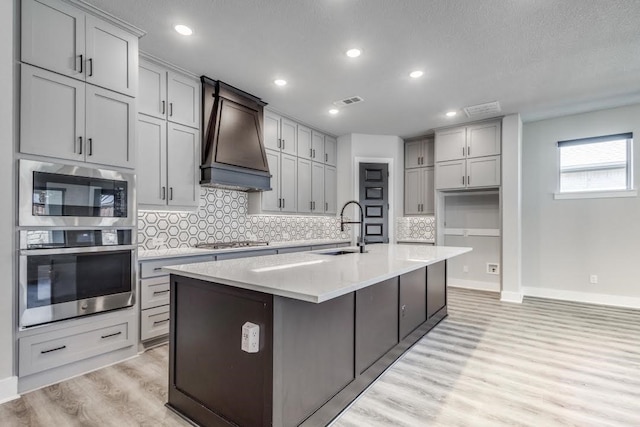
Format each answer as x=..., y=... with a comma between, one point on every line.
x=376, y=322
x=413, y=301
x=49, y=350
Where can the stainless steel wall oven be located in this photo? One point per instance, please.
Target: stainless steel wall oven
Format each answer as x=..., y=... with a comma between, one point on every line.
x=74, y=272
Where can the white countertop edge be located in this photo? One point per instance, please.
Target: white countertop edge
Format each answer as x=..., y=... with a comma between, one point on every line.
x=416, y=241
x=153, y=254
x=310, y=297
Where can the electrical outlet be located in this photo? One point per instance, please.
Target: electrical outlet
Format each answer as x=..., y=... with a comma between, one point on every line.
x=593, y=279
x=465, y=269
x=250, y=337
x=493, y=268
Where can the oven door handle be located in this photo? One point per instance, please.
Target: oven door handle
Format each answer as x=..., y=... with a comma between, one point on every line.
x=61, y=251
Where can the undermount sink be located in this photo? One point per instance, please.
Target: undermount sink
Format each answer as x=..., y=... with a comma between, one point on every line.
x=342, y=252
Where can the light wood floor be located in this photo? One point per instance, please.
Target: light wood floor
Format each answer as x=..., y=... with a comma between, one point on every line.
x=541, y=363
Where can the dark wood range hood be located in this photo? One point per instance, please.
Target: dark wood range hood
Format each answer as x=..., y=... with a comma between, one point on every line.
x=233, y=154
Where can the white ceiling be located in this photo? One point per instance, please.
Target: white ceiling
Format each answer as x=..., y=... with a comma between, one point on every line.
x=542, y=58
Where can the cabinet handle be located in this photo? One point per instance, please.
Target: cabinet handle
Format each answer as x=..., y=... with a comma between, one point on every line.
x=80, y=147
x=81, y=61
x=310, y=206
x=157, y=269
x=53, y=349
x=468, y=179
x=326, y=206
x=171, y=109
x=163, y=105
x=158, y=322
x=326, y=158
x=90, y=141
x=283, y=200
x=164, y=193
x=403, y=309
x=468, y=151
x=310, y=152
x=90, y=67
x=111, y=335
x=170, y=193
x=283, y=144
x=160, y=292
x=463, y=180
x=314, y=153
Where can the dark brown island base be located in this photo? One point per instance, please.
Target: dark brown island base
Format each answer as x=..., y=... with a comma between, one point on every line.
x=314, y=358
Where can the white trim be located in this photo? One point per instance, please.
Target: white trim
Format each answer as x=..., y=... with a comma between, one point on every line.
x=8, y=389
x=515, y=297
x=390, y=184
x=486, y=232
x=595, y=194
x=586, y=297
x=473, y=284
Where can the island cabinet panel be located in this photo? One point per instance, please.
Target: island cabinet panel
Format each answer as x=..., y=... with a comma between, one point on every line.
x=376, y=322
x=313, y=355
x=211, y=370
x=413, y=300
x=436, y=287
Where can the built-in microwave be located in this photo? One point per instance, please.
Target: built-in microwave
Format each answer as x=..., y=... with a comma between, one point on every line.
x=53, y=195
x=74, y=272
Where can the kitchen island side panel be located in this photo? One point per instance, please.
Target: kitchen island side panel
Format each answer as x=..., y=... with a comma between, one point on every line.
x=313, y=355
x=211, y=379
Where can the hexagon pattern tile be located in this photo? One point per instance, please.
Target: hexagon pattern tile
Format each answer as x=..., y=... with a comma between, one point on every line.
x=415, y=228
x=222, y=217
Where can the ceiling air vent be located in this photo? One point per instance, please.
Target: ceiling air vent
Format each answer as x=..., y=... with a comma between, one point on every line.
x=348, y=101
x=490, y=108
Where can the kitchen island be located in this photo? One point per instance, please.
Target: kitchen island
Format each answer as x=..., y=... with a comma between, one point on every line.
x=329, y=322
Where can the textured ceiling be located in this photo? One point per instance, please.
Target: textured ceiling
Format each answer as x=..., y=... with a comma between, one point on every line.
x=541, y=58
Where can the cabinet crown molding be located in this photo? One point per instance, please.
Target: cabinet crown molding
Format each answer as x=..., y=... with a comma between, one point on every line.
x=88, y=8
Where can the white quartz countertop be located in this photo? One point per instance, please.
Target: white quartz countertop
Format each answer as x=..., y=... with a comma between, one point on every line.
x=315, y=277
x=147, y=255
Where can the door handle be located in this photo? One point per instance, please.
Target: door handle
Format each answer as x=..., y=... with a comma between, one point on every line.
x=90, y=141
x=164, y=193
x=90, y=67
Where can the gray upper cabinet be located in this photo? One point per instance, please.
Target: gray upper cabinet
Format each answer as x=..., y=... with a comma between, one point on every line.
x=52, y=114
x=419, y=191
x=304, y=185
x=67, y=119
x=304, y=143
x=330, y=190
x=168, y=168
x=317, y=146
x=169, y=95
x=468, y=157
x=418, y=153
x=60, y=37
x=283, y=196
x=330, y=150
x=317, y=188
x=110, y=124
x=280, y=133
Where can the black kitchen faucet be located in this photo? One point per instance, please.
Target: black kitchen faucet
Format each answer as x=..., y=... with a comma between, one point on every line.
x=361, y=222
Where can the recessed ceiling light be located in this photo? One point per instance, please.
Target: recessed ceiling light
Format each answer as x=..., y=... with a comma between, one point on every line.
x=334, y=111
x=280, y=82
x=354, y=53
x=183, y=29
x=451, y=113
x=416, y=74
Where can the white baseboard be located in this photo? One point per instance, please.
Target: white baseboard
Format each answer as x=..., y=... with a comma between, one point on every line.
x=473, y=284
x=586, y=297
x=8, y=389
x=511, y=297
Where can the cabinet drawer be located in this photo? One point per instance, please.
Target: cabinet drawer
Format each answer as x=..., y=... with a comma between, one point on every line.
x=50, y=350
x=154, y=292
x=154, y=322
x=154, y=268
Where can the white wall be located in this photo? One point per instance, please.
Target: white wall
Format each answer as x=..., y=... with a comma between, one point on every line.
x=8, y=383
x=564, y=241
x=371, y=148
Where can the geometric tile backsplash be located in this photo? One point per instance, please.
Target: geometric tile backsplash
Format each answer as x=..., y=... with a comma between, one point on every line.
x=222, y=217
x=415, y=228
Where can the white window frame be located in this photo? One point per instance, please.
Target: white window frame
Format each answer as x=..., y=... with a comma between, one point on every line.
x=630, y=191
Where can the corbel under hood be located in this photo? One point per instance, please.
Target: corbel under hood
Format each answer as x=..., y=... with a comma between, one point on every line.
x=233, y=153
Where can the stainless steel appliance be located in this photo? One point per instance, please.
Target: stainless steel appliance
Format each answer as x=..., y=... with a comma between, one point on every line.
x=225, y=245
x=74, y=272
x=70, y=196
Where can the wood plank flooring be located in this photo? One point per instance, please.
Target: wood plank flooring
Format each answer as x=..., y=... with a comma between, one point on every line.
x=541, y=363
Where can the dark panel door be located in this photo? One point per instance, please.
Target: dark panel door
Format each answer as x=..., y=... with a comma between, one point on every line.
x=374, y=198
x=436, y=287
x=413, y=300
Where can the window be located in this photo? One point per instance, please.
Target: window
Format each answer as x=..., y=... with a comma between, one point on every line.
x=596, y=165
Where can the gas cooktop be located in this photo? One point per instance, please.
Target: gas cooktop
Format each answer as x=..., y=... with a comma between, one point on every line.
x=226, y=245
